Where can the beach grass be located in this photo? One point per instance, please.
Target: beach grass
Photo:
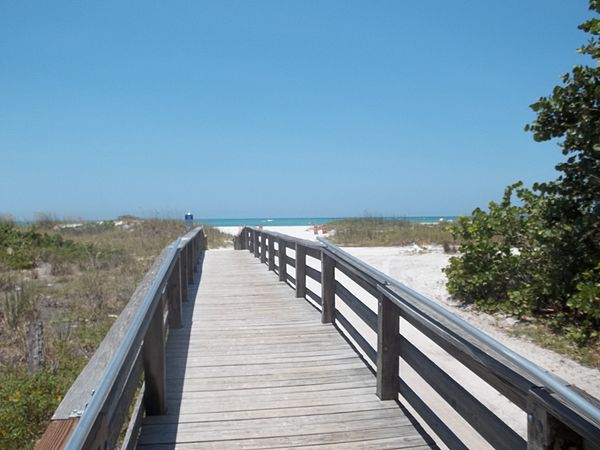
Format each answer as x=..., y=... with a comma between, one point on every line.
x=380, y=232
x=76, y=277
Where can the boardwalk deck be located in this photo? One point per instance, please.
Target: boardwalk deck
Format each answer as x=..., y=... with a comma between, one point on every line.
x=253, y=367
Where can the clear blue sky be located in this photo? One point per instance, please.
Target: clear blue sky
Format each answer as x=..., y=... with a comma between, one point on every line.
x=275, y=108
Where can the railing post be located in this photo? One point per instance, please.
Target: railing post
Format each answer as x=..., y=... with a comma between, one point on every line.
x=174, y=295
x=271, y=253
x=255, y=243
x=183, y=274
x=300, y=271
x=196, y=252
x=153, y=356
x=327, y=288
x=190, y=255
x=388, y=328
x=249, y=240
x=282, y=260
x=544, y=431
x=263, y=248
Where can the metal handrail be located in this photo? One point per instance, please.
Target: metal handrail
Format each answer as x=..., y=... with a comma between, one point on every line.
x=542, y=376
x=132, y=340
x=286, y=237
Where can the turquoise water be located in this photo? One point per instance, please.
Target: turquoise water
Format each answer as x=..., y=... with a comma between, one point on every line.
x=305, y=221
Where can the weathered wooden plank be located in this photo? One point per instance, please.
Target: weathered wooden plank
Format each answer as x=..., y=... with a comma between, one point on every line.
x=233, y=416
x=321, y=439
x=266, y=374
x=282, y=260
x=199, y=434
x=314, y=252
x=545, y=431
x=263, y=248
x=300, y=271
x=388, y=348
x=363, y=280
x=313, y=296
x=502, y=378
x=447, y=436
x=135, y=422
x=153, y=355
x=356, y=336
x=327, y=289
x=199, y=390
x=313, y=273
x=263, y=424
x=484, y=421
x=361, y=310
x=57, y=434
x=271, y=258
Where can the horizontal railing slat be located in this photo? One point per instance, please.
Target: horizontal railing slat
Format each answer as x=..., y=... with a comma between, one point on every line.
x=313, y=252
x=313, y=296
x=502, y=378
x=361, y=310
x=487, y=424
x=442, y=430
x=356, y=336
x=522, y=382
x=313, y=273
x=101, y=396
x=365, y=282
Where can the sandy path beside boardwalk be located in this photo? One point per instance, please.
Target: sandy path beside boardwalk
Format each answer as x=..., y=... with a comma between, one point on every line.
x=301, y=232
x=421, y=270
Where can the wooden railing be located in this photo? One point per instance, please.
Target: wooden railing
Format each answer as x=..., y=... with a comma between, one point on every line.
x=93, y=411
x=558, y=415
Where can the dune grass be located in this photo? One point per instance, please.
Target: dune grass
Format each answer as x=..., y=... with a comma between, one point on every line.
x=378, y=232
x=76, y=279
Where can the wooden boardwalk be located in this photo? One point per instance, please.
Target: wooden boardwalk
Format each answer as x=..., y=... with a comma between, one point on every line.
x=253, y=367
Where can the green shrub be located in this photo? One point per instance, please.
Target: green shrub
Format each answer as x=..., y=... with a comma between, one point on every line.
x=515, y=260
x=26, y=403
x=21, y=247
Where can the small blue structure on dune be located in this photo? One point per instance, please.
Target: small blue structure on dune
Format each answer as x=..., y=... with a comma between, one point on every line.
x=189, y=220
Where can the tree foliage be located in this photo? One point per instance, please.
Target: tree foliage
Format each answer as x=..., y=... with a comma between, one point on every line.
x=541, y=254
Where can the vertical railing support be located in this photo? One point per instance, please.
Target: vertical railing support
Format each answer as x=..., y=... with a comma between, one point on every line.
x=388, y=351
x=544, y=431
x=190, y=267
x=300, y=271
x=255, y=243
x=197, y=249
x=282, y=260
x=263, y=248
x=183, y=274
x=327, y=288
x=174, y=295
x=153, y=356
x=271, y=253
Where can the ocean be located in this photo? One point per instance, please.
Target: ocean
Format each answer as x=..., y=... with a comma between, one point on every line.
x=306, y=221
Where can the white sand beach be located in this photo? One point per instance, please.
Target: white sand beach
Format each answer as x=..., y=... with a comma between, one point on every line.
x=301, y=232
x=420, y=268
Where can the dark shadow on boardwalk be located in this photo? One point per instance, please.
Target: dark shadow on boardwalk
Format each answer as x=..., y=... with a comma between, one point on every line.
x=178, y=346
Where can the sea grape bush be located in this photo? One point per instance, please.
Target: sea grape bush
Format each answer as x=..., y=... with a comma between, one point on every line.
x=20, y=248
x=540, y=255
